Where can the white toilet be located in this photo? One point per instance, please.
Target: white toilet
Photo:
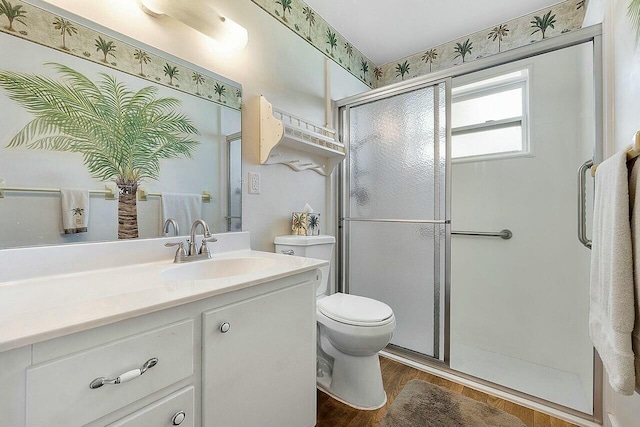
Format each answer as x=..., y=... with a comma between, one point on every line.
x=351, y=332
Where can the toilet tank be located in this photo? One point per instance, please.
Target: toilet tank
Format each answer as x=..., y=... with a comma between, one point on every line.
x=319, y=247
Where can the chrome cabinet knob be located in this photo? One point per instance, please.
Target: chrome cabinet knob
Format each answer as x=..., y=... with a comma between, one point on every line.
x=178, y=418
x=224, y=328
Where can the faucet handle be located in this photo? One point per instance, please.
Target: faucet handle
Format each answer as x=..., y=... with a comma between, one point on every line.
x=204, y=249
x=169, y=244
x=181, y=252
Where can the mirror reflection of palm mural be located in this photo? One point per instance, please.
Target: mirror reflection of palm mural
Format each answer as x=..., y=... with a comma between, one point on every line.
x=122, y=134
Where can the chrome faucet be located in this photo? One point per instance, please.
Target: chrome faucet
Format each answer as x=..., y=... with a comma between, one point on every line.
x=167, y=223
x=194, y=253
x=192, y=239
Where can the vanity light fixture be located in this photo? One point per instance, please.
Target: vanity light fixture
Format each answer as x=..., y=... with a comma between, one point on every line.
x=227, y=35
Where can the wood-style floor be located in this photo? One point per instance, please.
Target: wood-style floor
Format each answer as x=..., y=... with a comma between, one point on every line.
x=332, y=413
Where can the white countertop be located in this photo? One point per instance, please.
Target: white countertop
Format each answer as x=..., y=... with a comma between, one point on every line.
x=50, y=306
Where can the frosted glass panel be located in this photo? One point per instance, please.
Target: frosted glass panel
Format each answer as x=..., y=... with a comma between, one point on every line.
x=396, y=170
x=392, y=157
x=394, y=263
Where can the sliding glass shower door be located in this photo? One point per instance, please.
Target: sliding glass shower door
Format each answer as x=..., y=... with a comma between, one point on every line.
x=394, y=214
x=519, y=304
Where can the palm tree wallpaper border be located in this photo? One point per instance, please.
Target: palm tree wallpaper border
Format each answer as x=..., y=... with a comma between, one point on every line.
x=308, y=24
x=300, y=18
x=546, y=23
x=27, y=21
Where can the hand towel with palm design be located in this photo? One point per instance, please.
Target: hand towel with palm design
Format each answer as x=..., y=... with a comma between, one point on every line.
x=75, y=210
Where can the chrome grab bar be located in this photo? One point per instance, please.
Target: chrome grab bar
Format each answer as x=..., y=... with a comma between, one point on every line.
x=582, y=203
x=505, y=234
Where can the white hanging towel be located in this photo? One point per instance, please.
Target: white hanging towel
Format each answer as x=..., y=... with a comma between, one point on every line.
x=75, y=210
x=182, y=207
x=611, y=305
x=634, y=200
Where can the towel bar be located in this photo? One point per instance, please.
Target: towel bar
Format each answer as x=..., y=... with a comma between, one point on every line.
x=108, y=192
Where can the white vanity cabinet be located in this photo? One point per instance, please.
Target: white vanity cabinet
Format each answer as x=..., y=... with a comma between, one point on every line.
x=258, y=356
x=260, y=372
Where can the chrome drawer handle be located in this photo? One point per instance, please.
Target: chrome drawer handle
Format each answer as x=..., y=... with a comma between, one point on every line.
x=127, y=376
x=287, y=251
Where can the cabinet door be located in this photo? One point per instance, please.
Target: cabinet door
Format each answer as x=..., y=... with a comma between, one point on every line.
x=261, y=372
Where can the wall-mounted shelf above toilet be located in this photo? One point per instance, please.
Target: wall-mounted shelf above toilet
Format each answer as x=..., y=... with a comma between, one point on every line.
x=290, y=140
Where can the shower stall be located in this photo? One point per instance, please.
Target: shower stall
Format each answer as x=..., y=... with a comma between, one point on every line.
x=458, y=209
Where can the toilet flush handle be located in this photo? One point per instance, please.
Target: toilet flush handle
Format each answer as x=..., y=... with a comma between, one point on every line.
x=287, y=251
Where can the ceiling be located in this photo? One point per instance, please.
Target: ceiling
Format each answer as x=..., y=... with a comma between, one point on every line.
x=385, y=31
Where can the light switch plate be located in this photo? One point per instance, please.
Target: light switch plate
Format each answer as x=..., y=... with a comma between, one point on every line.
x=254, y=183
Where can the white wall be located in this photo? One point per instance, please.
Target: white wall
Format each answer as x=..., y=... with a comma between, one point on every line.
x=275, y=63
x=527, y=297
x=622, y=91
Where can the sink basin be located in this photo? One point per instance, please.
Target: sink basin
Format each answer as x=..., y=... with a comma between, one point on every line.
x=216, y=268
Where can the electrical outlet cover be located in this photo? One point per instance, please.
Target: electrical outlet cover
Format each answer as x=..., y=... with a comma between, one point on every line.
x=254, y=183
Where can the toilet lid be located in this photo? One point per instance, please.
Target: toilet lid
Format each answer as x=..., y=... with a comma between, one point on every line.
x=355, y=310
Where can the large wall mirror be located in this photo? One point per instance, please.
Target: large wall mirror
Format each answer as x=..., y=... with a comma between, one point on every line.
x=144, y=132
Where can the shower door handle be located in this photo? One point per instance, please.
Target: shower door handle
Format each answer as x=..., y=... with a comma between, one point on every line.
x=582, y=203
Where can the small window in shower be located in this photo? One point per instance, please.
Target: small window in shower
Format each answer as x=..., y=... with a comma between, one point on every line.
x=489, y=117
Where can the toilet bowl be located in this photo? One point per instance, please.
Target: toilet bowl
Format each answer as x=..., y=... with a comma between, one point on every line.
x=351, y=331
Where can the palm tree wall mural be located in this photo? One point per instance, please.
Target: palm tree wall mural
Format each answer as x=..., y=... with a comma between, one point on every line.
x=172, y=72
x=543, y=24
x=402, y=69
x=219, y=90
x=122, y=134
x=348, y=48
x=142, y=57
x=364, y=67
x=106, y=47
x=332, y=40
x=633, y=11
x=198, y=79
x=498, y=33
x=286, y=5
x=310, y=17
x=430, y=56
x=12, y=13
x=66, y=28
x=377, y=72
x=463, y=49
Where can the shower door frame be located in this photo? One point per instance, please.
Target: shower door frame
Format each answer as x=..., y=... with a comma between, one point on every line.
x=591, y=34
x=437, y=222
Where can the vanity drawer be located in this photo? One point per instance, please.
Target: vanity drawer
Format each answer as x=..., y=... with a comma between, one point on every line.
x=58, y=392
x=176, y=409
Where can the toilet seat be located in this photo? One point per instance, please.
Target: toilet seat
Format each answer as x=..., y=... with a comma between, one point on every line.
x=355, y=310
